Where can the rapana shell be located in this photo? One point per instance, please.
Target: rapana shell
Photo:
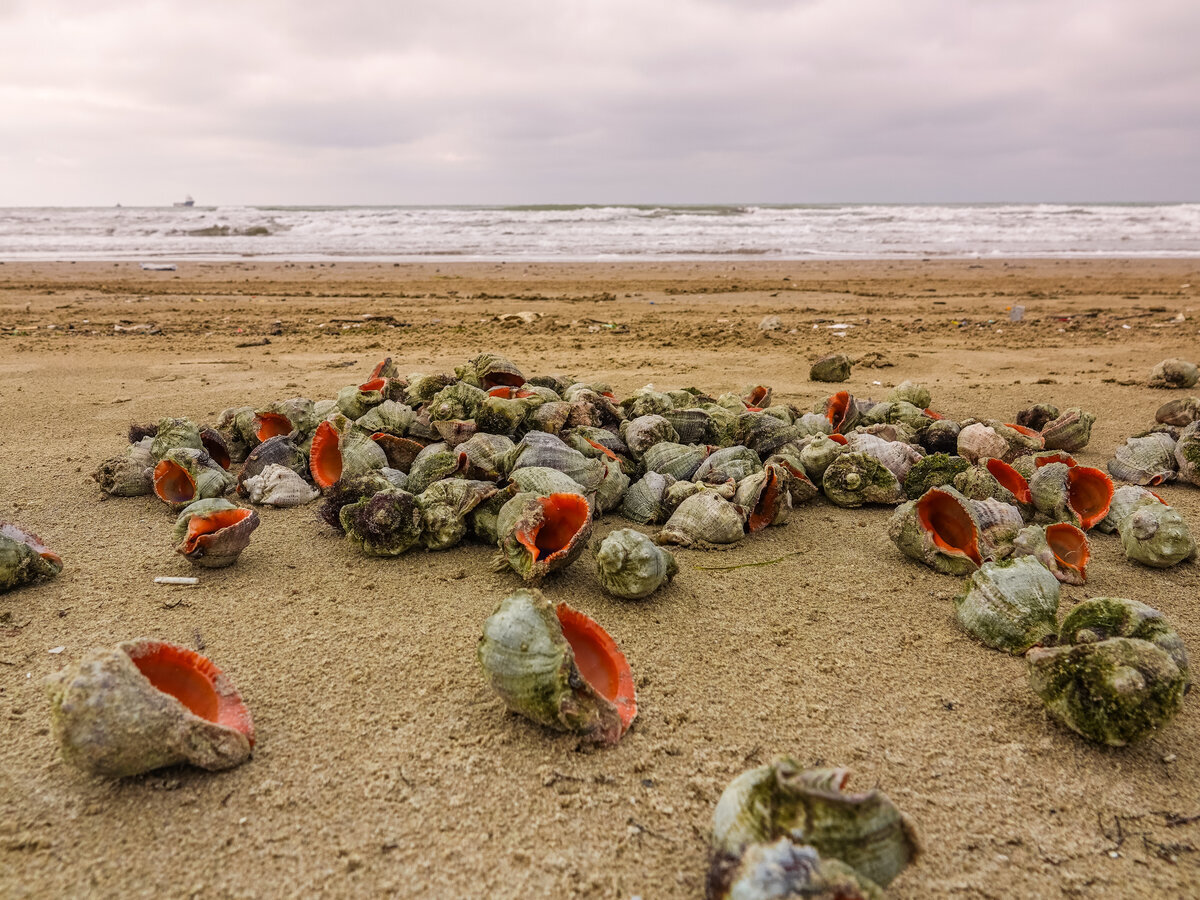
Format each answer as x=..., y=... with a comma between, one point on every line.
x=1038, y=415
x=279, y=450
x=173, y=434
x=1069, y=431
x=1124, y=501
x=692, y=426
x=680, y=461
x=548, y=451
x=213, y=533
x=934, y=470
x=1102, y=618
x=994, y=478
x=341, y=449
x=785, y=871
x=1077, y=494
x=388, y=417
x=644, y=432
x=765, y=498
x=236, y=424
x=1187, y=454
x=1147, y=460
x=540, y=535
x=980, y=441
x=1156, y=535
x=128, y=475
x=910, y=392
x=1183, y=411
x=297, y=415
x=941, y=436
x=865, y=831
x=1010, y=605
x=643, y=501
x=631, y=566
x=435, y=462
x=279, y=486
x=557, y=667
x=853, y=479
x=1062, y=548
x=185, y=475
x=485, y=456
x=728, y=464
x=835, y=367
x=818, y=454
x=1174, y=373
x=387, y=523
x=704, y=518
x=611, y=490
x=147, y=704
x=952, y=534
x=898, y=456
x=350, y=490
x=445, y=506
x=24, y=558
x=489, y=370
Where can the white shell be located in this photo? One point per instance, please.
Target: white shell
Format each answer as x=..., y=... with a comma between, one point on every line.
x=279, y=486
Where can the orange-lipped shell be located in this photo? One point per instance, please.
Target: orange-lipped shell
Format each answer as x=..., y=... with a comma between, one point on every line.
x=374, y=384
x=949, y=524
x=203, y=529
x=269, y=425
x=600, y=662
x=1090, y=491
x=325, y=457
x=1010, y=479
x=1028, y=432
x=838, y=410
x=1056, y=456
x=563, y=515
x=540, y=534
x=508, y=392
x=173, y=483
x=1069, y=546
x=839, y=439
x=765, y=510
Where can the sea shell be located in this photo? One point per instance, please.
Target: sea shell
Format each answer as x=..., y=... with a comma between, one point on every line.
x=485, y=456
x=952, y=534
x=1070, y=431
x=551, y=417
x=1125, y=499
x=555, y=383
x=680, y=461
x=557, y=667
x=782, y=871
x=765, y=433
x=1062, y=548
x=818, y=454
x=453, y=432
x=646, y=401
x=835, y=367
x=435, y=462
x=1183, y=411
x=213, y=533
x=611, y=490
x=980, y=441
x=489, y=370
x=297, y=415
x=812, y=423
x=279, y=486
x=897, y=412
x=1187, y=454
x=765, y=498
x=722, y=421
x=597, y=442
x=1102, y=618
x=1145, y=460
x=24, y=558
x=590, y=407
x=185, y=475
x=236, y=424
x=355, y=400
x=350, y=490
x=389, y=417
x=1010, y=605
x=934, y=470
x=704, y=518
x=544, y=482
x=483, y=518
x=941, y=436
x=274, y=451
x=146, y=704
x=1079, y=495
x=898, y=456
x=445, y=506
x=798, y=485
x=456, y=401
x=340, y=449
x=1174, y=373
x=916, y=394
x=497, y=415
x=728, y=464
x=841, y=412
x=387, y=523
x=855, y=478
x=401, y=452
x=643, y=501
x=540, y=535
x=865, y=831
x=1156, y=535
x=1038, y=415
x=548, y=451
x=692, y=426
x=1026, y=465
x=995, y=478
x=630, y=565
x=127, y=475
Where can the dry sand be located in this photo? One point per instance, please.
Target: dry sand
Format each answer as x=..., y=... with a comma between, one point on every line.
x=385, y=766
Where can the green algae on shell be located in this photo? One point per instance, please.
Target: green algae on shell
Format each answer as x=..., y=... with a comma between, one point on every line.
x=864, y=831
x=952, y=534
x=557, y=667
x=910, y=392
x=934, y=470
x=1010, y=605
x=1061, y=547
x=173, y=434
x=445, y=506
x=1101, y=618
x=1187, y=454
x=631, y=566
x=24, y=558
x=853, y=479
x=388, y=523
x=146, y=704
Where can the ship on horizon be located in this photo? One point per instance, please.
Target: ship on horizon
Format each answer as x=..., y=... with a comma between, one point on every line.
x=186, y=201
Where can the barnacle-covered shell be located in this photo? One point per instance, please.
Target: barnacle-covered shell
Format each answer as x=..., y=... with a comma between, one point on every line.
x=557, y=667
x=643, y=501
x=127, y=475
x=279, y=486
x=834, y=367
x=934, y=470
x=910, y=392
x=146, y=704
x=1010, y=605
x=1145, y=460
x=435, y=462
x=855, y=478
x=941, y=436
x=680, y=461
x=445, y=506
x=728, y=464
x=785, y=871
x=898, y=456
x=213, y=533
x=350, y=489
x=1038, y=415
x=1062, y=548
x=1187, y=454
x=1183, y=411
x=540, y=535
x=274, y=451
x=24, y=558
x=1156, y=535
x=1076, y=494
x=865, y=831
x=185, y=475
x=385, y=524
x=1113, y=691
x=630, y=565
x=489, y=370
x=1174, y=373
x=704, y=518
x=765, y=497
x=952, y=534
x=818, y=454
x=1070, y=431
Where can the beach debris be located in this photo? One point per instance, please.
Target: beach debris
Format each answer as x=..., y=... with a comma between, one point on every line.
x=631, y=566
x=158, y=267
x=834, y=367
x=559, y=668
x=1174, y=373
x=146, y=704
x=24, y=558
x=1010, y=604
x=176, y=580
x=769, y=323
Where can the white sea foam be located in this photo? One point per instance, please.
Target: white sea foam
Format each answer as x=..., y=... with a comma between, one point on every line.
x=603, y=232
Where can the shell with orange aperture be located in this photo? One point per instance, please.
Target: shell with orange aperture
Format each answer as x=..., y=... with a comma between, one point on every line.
x=213, y=533
x=146, y=704
x=1077, y=494
x=24, y=558
x=559, y=668
x=1061, y=547
x=952, y=534
x=538, y=535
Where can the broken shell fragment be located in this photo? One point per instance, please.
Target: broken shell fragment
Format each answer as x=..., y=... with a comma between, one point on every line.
x=630, y=565
x=279, y=486
x=1062, y=548
x=213, y=533
x=1010, y=605
x=557, y=667
x=1077, y=494
x=834, y=367
x=864, y=831
x=1147, y=460
x=24, y=558
x=540, y=535
x=1174, y=373
x=147, y=704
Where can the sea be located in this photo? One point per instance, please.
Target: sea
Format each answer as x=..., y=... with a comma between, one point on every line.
x=602, y=233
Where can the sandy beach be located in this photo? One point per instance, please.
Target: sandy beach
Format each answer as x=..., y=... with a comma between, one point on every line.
x=385, y=766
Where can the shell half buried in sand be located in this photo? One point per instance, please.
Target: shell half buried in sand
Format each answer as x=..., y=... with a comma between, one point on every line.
x=557, y=667
x=146, y=704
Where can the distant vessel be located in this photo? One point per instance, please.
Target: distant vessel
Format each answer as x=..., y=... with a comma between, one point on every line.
x=187, y=201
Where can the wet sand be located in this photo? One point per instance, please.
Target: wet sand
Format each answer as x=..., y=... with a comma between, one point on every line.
x=386, y=767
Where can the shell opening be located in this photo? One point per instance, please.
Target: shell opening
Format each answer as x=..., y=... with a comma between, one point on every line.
x=837, y=410
x=215, y=449
x=757, y=395
x=1027, y=431
x=933, y=415
x=764, y=510
x=952, y=528
x=507, y=392
x=1010, y=479
x=1069, y=545
x=202, y=526
x=375, y=384
x=269, y=425
x=602, y=449
x=378, y=371
x=562, y=517
x=173, y=483
x=325, y=459
x=600, y=661
x=839, y=439
x=501, y=379
x=1089, y=493
x=1058, y=457
x=191, y=679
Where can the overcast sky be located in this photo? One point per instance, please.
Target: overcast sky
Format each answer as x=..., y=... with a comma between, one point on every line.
x=659, y=101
